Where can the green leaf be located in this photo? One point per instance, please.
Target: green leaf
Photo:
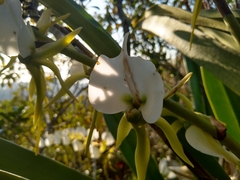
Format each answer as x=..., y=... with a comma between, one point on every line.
x=214, y=13
x=199, y=98
x=234, y=100
x=220, y=60
x=195, y=83
x=10, y=176
x=92, y=33
x=220, y=103
x=183, y=16
x=233, y=27
x=221, y=36
x=196, y=11
x=128, y=147
x=23, y=162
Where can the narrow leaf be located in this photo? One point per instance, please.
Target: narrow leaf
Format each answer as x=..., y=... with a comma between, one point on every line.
x=196, y=11
x=220, y=60
x=220, y=103
x=23, y=162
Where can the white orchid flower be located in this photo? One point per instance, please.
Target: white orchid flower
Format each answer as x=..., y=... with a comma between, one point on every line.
x=124, y=83
x=15, y=37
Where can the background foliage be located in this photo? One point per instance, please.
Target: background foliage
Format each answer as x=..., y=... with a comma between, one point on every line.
x=66, y=122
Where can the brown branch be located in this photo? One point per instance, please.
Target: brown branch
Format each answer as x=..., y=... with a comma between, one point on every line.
x=222, y=7
x=124, y=19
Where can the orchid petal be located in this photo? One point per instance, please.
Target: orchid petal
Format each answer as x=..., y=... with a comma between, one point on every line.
x=10, y=20
x=107, y=86
x=206, y=144
x=152, y=109
x=14, y=34
x=26, y=43
x=149, y=86
x=143, y=73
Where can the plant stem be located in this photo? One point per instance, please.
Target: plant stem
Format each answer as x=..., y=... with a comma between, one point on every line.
x=202, y=123
x=229, y=19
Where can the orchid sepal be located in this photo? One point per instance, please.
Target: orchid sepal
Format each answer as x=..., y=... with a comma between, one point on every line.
x=142, y=151
x=51, y=49
x=173, y=139
x=68, y=83
x=44, y=23
x=123, y=130
x=205, y=143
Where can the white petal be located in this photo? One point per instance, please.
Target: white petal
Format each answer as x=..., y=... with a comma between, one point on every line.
x=14, y=34
x=107, y=136
x=57, y=137
x=107, y=86
x=77, y=145
x=48, y=140
x=82, y=130
x=10, y=20
x=148, y=83
x=95, y=134
x=205, y=143
x=154, y=90
x=41, y=143
x=65, y=140
x=94, y=151
x=25, y=41
x=15, y=10
x=163, y=167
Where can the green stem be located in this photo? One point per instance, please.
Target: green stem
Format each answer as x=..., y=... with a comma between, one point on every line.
x=92, y=127
x=72, y=53
x=229, y=19
x=199, y=121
